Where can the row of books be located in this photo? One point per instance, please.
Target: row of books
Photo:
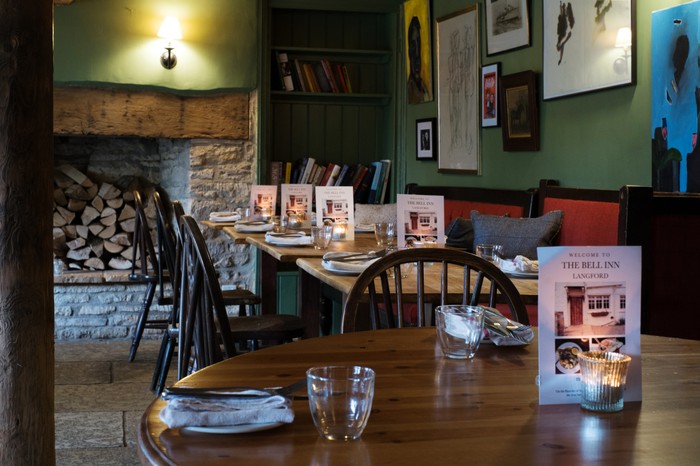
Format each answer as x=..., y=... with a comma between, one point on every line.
x=311, y=75
x=369, y=181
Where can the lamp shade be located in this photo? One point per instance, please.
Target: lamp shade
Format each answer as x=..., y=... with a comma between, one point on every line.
x=624, y=37
x=170, y=29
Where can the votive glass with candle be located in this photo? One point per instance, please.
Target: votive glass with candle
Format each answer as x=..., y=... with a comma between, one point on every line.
x=340, y=228
x=603, y=378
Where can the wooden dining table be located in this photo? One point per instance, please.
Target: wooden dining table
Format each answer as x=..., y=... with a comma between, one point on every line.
x=431, y=410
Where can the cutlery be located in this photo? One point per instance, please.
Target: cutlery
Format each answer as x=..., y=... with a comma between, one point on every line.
x=206, y=392
x=362, y=256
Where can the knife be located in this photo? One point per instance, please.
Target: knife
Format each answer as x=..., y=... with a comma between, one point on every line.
x=239, y=391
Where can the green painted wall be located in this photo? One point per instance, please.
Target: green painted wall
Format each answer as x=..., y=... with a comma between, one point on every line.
x=597, y=140
x=114, y=41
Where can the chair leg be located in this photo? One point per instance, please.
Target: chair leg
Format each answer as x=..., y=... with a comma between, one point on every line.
x=159, y=363
x=165, y=366
x=143, y=318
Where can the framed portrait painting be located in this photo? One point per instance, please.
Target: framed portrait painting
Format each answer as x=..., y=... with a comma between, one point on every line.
x=458, y=91
x=426, y=143
x=419, y=67
x=521, y=129
x=507, y=25
x=489, y=95
x=587, y=45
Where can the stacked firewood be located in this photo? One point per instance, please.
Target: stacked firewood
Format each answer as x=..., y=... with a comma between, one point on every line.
x=93, y=223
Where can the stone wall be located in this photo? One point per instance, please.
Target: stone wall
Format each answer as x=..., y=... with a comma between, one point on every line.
x=204, y=174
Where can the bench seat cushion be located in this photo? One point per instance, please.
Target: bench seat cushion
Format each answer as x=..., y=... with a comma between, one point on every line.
x=518, y=236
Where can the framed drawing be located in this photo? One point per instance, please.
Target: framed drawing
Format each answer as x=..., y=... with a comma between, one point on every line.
x=521, y=129
x=426, y=148
x=587, y=46
x=489, y=94
x=458, y=91
x=419, y=67
x=507, y=25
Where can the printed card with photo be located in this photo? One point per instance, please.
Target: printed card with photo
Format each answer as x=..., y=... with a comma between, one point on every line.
x=297, y=201
x=420, y=220
x=334, y=204
x=263, y=200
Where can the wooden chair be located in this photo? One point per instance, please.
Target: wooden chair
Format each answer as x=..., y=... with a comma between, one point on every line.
x=463, y=278
x=207, y=332
x=146, y=269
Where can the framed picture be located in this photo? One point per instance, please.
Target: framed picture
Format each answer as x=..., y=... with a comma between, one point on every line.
x=507, y=25
x=489, y=94
x=587, y=46
x=458, y=91
x=426, y=148
x=521, y=129
x=419, y=68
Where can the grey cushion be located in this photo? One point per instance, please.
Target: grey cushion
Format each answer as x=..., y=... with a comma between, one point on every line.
x=460, y=234
x=519, y=236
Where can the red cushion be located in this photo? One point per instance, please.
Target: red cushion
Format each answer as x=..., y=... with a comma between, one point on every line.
x=456, y=208
x=586, y=223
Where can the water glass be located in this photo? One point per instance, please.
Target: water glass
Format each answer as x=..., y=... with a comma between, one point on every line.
x=603, y=378
x=459, y=330
x=385, y=234
x=322, y=236
x=490, y=252
x=340, y=399
x=278, y=226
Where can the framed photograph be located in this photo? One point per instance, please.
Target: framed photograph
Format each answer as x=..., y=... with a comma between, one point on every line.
x=507, y=25
x=458, y=91
x=426, y=144
x=521, y=129
x=419, y=65
x=587, y=45
x=489, y=94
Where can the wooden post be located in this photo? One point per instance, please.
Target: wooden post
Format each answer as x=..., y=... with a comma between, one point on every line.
x=26, y=297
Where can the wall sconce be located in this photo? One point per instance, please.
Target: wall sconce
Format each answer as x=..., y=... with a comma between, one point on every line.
x=623, y=41
x=170, y=31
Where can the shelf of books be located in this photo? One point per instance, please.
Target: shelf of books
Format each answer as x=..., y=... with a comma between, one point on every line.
x=369, y=181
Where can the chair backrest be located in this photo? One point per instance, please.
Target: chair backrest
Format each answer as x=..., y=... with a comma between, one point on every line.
x=204, y=329
x=166, y=247
x=438, y=276
x=144, y=259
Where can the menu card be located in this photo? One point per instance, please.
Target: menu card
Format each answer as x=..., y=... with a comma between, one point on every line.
x=296, y=199
x=335, y=204
x=589, y=299
x=420, y=220
x=263, y=199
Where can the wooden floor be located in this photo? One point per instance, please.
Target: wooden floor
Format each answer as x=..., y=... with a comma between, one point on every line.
x=99, y=399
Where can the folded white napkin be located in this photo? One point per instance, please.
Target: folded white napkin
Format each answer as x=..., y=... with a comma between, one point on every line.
x=519, y=264
x=253, y=227
x=297, y=238
x=186, y=411
x=358, y=266
x=224, y=216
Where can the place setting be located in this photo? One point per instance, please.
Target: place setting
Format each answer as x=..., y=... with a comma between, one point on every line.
x=518, y=267
x=288, y=238
x=350, y=263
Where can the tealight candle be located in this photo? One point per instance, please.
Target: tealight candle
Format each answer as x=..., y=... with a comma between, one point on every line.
x=339, y=230
x=603, y=377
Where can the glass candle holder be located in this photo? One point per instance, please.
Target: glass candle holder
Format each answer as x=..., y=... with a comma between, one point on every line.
x=340, y=229
x=603, y=378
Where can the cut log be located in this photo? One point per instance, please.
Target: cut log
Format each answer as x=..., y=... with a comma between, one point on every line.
x=92, y=191
x=121, y=238
x=59, y=197
x=75, y=205
x=109, y=220
x=76, y=175
x=61, y=180
x=94, y=263
x=115, y=203
x=119, y=263
x=128, y=225
x=98, y=203
x=96, y=228
x=75, y=191
x=97, y=246
x=76, y=243
x=81, y=254
x=82, y=230
x=108, y=232
x=58, y=220
x=71, y=231
x=113, y=248
x=89, y=214
x=108, y=191
x=67, y=215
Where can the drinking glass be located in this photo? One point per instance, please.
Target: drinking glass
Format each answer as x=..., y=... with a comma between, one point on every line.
x=490, y=252
x=322, y=236
x=385, y=234
x=459, y=330
x=603, y=378
x=340, y=399
x=278, y=225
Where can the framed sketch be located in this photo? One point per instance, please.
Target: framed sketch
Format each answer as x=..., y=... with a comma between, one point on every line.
x=588, y=45
x=521, y=129
x=426, y=147
x=458, y=91
x=489, y=94
x=507, y=25
x=419, y=66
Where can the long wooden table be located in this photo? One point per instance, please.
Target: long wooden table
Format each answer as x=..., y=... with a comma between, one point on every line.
x=432, y=410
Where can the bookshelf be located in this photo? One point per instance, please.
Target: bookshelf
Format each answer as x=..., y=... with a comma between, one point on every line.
x=350, y=128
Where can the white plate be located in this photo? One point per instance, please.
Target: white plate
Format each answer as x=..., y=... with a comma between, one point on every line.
x=239, y=429
x=561, y=368
x=283, y=244
x=330, y=268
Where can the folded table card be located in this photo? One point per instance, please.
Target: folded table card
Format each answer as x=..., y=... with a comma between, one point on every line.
x=263, y=200
x=334, y=204
x=420, y=220
x=589, y=299
x=297, y=200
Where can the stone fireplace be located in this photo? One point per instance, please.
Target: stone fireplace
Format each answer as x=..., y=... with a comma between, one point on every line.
x=204, y=173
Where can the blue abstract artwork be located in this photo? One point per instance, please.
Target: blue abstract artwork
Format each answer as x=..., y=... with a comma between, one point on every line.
x=675, y=98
